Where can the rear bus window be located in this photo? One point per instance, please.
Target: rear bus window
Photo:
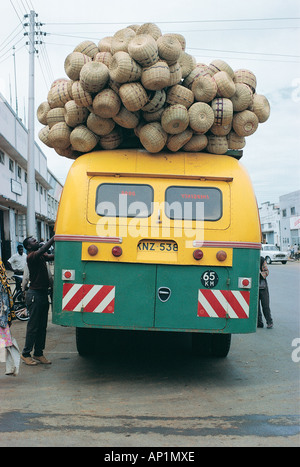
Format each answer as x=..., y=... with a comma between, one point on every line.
x=193, y=203
x=123, y=200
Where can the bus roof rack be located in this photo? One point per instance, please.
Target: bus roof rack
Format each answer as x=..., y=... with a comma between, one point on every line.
x=236, y=153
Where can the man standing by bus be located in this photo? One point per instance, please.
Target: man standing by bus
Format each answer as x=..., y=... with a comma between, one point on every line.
x=37, y=300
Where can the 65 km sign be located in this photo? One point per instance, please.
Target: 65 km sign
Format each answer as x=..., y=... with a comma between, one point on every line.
x=209, y=279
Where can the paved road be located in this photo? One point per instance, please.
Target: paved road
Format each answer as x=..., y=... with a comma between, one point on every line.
x=148, y=390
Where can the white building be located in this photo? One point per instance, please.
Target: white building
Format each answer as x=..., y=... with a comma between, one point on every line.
x=13, y=185
x=269, y=214
x=290, y=219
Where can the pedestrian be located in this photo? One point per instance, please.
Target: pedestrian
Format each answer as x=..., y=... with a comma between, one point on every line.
x=18, y=263
x=37, y=301
x=9, y=351
x=264, y=298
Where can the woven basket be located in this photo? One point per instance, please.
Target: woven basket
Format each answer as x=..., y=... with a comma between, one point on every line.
x=246, y=77
x=87, y=48
x=169, y=48
x=178, y=94
x=127, y=119
x=59, y=94
x=42, y=112
x=103, y=57
x=180, y=38
x=187, y=63
x=104, y=44
x=245, y=123
x=156, y=76
x=153, y=137
x=225, y=85
x=261, y=107
x=175, y=119
x=100, y=126
x=221, y=130
x=149, y=28
x=124, y=69
x=196, y=144
x=133, y=96
x=69, y=153
x=106, y=104
x=200, y=70
x=44, y=136
x=201, y=117
x=112, y=140
x=153, y=116
x=55, y=116
x=223, y=110
x=94, y=76
x=235, y=141
x=220, y=65
x=204, y=88
x=121, y=39
x=82, y=139
x=242, y=98
x=75, y=115
x=80, y=96
x=175, y=74
x=143, y=49
x=176, y=142
x=73, y=64
x=134, y=27
x=59, y=136
x=156, y=101
x=217, y=144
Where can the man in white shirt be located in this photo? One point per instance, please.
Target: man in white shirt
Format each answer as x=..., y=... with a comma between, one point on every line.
x=18, y=262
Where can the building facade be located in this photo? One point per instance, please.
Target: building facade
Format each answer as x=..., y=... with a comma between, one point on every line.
x=290, y=219
x=13, y=185
x=269, y=214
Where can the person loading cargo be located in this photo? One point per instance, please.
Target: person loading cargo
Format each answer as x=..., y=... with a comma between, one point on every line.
x=37, y=300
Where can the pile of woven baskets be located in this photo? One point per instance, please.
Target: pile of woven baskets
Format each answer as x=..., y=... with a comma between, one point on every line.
x=139, y=88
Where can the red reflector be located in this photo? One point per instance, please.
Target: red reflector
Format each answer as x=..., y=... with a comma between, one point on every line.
x=67, y=274
x=221, y=255
x=92, y=250
x=198, y=254
x=245, y=282
x=117, y=251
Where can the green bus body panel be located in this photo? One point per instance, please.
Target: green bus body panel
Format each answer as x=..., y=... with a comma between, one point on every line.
x=137, y=305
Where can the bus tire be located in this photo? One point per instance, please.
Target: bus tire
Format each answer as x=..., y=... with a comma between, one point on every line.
x=220, y=345
x=201, y=344
x=85, y=342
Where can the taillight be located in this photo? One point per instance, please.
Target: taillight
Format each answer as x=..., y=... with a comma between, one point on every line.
x=245, y=282
x=68, y=274
x=221, y=255
x=92, y=250
x=117, y=251
x=198, y=254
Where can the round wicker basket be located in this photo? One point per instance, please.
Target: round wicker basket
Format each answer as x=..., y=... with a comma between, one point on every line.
x=178, y=94
x=94, y=76
x=44, y=136
x=127, y=119
x=121, y=40
x=169, y=48
x=143, y=49
x=175, y=119
x=187, y=63
x=204, y=88
x=200, y=70
x=221, y=130
x=201, y=117
x=217, y=144
x=59, y=94
x=42, y=112
x=75, y=115
x=112, y=140
x=175, y=74
x=245, y=123
x=104, y=44
x=156, y=76
x=225, y=85
x=261, y=107
x=73, y=64
x=223, y=110
x=176, y=142
x=106, y=103
x=235, y=141
x=196, y=144
x=123, y=68
x=156, y=101
x=150, y=28
x=80, y=96
x=103, y=57
x=87, y=48
x=153, y=116
x=242, y=98
x=133, y=96
x=246, y=77
x=55, y=116
x=59, y=136
x=180, y=38
x=220, y=65
x=153, y=137
x=98, y=125
x=82, y=139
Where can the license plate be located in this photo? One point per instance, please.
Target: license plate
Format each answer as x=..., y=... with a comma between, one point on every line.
x=157, y=246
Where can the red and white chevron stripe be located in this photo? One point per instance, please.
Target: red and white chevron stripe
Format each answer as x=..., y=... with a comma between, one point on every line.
x=222, y=303
x=88, y=298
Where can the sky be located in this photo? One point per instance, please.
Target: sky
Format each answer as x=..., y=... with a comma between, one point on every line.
x=262, y=36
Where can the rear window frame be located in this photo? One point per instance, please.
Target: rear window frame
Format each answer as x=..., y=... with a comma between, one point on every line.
x=195, y=188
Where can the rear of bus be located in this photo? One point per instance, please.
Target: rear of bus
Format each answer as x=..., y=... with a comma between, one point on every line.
x=165, y=242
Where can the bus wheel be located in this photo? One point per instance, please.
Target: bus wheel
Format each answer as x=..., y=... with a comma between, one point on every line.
x=201, y=344
x=85, y=341
x=220, y=345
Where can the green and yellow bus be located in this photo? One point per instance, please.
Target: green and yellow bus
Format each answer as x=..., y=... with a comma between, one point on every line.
x=164, y=242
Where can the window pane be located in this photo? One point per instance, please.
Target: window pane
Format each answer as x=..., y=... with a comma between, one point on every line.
x=193, y=203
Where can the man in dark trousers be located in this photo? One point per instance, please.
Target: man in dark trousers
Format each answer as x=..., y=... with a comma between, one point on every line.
x=37, y=300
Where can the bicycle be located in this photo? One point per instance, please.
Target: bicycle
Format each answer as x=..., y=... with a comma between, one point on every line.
x=18, y=296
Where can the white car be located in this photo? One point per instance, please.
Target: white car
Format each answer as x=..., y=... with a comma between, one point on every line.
x=272, y=254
